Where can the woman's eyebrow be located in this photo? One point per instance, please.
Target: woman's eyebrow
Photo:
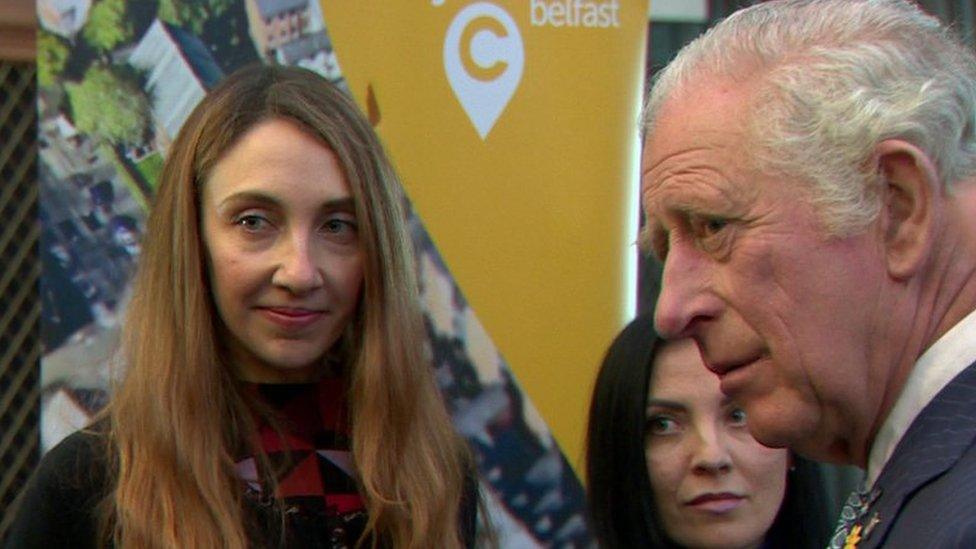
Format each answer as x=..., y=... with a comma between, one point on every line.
x=663, y=403
x=249, y=196
x=346, y=204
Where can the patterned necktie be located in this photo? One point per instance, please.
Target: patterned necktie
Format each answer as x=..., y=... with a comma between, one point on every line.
x=850, y=523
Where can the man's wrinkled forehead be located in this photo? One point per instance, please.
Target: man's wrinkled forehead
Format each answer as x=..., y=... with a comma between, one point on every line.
x=699, y=137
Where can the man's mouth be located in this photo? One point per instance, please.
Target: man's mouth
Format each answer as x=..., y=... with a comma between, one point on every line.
x=720, y=368
x=733, y=375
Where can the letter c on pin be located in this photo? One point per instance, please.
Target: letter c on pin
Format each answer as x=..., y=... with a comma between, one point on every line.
x=471, y=66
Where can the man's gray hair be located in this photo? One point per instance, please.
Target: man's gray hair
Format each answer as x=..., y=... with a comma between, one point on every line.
x=837, y=77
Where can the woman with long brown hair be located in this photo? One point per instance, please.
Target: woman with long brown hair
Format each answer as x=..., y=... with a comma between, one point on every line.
x=276, y=390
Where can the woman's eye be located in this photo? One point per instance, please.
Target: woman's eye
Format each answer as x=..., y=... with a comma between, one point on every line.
x=661, y=425
x=251, y=222
x=340, y=230
x=338, y=226
x=737, y=417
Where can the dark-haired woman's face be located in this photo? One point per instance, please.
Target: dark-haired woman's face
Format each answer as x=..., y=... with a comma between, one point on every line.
x=714, y=485
x=285, y=260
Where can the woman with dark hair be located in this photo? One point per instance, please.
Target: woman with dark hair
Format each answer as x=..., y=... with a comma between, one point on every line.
x=670, y=462
x=276, y=391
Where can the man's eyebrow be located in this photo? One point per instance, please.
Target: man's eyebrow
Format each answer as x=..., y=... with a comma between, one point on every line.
x=652, y=241
x=645, y=240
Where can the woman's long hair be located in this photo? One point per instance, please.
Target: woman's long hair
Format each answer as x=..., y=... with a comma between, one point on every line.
x=621, y=502
x=179, y=418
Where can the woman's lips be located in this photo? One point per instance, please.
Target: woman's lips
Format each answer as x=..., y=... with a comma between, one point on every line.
x=717, y=503
x=291, y=318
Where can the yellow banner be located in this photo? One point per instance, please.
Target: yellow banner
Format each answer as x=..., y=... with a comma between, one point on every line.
x=514, y=127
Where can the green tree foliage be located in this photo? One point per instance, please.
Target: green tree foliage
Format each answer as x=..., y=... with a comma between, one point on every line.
x=191, y=14
x=109, y=105
x=52, y=55
x=108, y=25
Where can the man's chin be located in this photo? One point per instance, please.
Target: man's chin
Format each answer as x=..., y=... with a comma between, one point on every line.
x=808, y=442
x=770, y=437
x=775, y=427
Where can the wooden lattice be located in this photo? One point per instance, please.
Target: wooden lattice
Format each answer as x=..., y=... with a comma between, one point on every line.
x=19, y=275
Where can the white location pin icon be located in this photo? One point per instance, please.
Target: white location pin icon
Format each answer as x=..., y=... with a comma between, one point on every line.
x=483, y=59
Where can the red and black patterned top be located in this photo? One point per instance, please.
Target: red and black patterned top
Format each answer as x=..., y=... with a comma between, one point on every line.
x=309, y=453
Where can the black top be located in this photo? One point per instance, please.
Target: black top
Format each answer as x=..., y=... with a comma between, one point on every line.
x=60, y=505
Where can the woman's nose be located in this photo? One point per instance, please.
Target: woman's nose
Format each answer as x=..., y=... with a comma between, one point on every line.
x=711, y=454
x=297, y=270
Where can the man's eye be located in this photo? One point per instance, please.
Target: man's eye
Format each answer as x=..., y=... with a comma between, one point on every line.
x=737, y=417
x=713, y=226
x=705, y=227
x=709, y=233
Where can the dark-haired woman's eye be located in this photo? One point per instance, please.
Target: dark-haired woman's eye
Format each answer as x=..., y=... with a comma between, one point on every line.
x=661, y=425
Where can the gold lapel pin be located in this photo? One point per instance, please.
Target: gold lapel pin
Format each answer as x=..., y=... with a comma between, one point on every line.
x=853, y=538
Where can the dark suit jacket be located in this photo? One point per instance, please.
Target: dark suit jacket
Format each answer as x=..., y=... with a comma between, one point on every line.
x=928, y=487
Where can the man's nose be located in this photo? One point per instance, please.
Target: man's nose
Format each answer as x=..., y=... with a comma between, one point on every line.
x=686, y=298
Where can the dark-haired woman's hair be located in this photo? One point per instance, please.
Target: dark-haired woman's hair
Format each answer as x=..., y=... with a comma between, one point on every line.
x=621, y=503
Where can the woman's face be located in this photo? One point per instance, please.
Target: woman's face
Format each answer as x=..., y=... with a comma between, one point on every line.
x=713, y=484
x=285, y=261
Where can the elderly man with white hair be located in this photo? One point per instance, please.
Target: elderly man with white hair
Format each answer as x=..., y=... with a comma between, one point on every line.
x=809, y=180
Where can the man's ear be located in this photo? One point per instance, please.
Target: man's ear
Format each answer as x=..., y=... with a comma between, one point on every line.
x=911, y=195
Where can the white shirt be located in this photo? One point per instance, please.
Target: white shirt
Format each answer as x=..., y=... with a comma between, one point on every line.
x=937, y=366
